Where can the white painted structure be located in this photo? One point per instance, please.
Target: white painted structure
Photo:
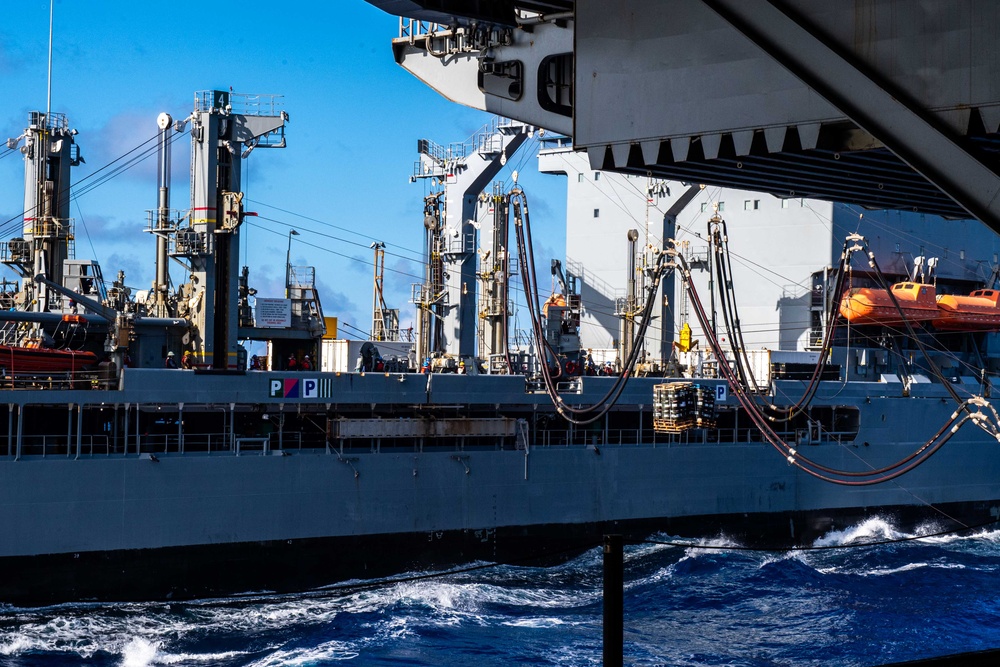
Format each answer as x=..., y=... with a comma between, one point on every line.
x=777, y=246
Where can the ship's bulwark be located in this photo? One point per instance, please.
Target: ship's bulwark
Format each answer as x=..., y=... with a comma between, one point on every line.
x=135, y=526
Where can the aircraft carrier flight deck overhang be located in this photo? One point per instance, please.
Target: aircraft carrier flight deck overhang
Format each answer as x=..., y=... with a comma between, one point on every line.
x=883, y=103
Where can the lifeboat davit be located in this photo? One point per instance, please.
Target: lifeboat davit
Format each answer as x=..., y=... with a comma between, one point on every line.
x=866, y=305
x=978, y=311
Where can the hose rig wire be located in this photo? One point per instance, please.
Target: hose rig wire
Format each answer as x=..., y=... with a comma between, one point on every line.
x=573, y=414
x=814, y=468
x=719, y=239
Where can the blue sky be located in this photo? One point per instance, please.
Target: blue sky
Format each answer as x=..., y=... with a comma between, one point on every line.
x=343, y=180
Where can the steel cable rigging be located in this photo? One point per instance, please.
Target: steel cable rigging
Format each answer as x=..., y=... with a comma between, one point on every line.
x=826, y=473
x=575, y=415
x=77, y=191
x=719, y=239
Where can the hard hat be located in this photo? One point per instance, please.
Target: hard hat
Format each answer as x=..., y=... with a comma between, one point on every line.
x=170, y=354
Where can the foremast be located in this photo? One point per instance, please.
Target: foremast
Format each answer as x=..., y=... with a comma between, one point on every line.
x=49, y=152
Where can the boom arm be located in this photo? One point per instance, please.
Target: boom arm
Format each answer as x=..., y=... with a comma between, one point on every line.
x=559, y=276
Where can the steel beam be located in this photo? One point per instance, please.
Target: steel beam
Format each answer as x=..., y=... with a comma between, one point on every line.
x=912, y=133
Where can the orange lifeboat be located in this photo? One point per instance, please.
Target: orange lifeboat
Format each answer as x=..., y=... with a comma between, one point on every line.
x=866, y=305
x=33, y=358
x=979, y=311
x=557, y=300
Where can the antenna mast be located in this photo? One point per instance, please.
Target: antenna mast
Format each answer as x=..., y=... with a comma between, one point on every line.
x=48, y=98
x=378, y=332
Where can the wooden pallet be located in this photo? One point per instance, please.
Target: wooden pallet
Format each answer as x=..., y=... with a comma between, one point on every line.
x=681, y=425
x=673, y=425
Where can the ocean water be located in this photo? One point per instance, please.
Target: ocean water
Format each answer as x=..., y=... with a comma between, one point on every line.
x=684, y=605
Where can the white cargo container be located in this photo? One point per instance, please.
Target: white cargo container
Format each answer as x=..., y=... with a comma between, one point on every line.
x=764, y=364
x=341, y=356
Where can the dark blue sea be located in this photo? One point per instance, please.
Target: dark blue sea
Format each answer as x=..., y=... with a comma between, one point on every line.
x=684, y=605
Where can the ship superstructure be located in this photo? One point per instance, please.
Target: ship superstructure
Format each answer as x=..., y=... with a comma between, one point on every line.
x=786, y=255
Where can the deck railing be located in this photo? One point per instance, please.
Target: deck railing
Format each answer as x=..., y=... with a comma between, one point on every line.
x=224, y=443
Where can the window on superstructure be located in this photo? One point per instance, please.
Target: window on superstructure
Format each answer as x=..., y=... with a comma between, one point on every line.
x=704, y=206
x=784, y=203
x=722, y=206
x=579, y=178
x=747, y=205
x=555, y=84
x=756, y=204
x=597, y=212
x=597, y=175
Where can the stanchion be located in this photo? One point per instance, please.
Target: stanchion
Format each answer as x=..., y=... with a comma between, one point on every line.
x=614, y=612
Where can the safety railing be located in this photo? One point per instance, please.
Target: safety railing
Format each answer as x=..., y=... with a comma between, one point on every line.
x=90, y=446
x=240, y=103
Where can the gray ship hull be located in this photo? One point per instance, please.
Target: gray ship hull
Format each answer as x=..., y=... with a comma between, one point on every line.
x=155, y=520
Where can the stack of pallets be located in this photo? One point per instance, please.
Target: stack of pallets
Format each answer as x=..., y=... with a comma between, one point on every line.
x=679, y=406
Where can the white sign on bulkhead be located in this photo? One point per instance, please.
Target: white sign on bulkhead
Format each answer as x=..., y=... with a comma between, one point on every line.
x=273, y=313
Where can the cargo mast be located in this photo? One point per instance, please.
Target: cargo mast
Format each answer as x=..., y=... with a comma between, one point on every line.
x=225, y=128
x=452, y=227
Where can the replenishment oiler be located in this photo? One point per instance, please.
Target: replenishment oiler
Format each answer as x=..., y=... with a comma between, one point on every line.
x=122, y=479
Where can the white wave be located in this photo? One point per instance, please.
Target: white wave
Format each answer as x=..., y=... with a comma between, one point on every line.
x=85, y=639
x=991, y=537
x=707, y=546
x=473, y=597
x=139, y=653
x=140, y=634
x=264, y=616
x=327, y=651
x=885, y=571
x=572, y=656
x=643, y=549
x=394, y=628
x=874, y=529
x=196, y=658
x=541, y=623
x=917, y=566
x=720, y=541
x=151, y=634
x=83, y=636
x=878, y=529
x=17, y=644
x=661, y=575
x=784, y=556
